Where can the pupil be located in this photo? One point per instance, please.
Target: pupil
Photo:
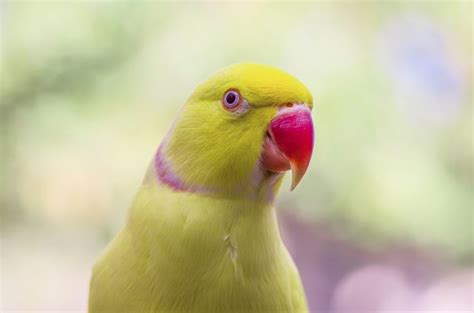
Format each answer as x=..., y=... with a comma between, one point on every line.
x=231, y=98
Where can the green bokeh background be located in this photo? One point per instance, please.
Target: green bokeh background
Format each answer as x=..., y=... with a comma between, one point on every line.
x=89, y=89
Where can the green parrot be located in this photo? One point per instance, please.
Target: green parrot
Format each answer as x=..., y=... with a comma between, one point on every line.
x=202, y=234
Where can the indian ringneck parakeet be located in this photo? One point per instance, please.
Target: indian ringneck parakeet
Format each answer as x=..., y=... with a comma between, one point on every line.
x=202, y=234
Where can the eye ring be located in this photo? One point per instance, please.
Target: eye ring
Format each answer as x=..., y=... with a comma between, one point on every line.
x=231, y=100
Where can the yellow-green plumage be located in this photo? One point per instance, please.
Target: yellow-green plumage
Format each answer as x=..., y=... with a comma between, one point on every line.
x=216, y=249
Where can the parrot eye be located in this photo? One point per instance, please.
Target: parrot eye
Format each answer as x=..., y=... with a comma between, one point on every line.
x=231, y=100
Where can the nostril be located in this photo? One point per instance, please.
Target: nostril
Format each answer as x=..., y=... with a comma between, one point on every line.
x=287, y=105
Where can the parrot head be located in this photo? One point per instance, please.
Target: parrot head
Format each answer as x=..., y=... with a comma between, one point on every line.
x=238, y=133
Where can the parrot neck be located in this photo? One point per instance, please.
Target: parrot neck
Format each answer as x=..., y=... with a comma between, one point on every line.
x=167, y=177
x=262, y=185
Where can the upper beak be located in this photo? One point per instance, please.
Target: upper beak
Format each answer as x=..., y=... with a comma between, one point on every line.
x=292, y=132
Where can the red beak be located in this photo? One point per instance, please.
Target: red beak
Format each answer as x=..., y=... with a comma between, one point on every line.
x=289, y=142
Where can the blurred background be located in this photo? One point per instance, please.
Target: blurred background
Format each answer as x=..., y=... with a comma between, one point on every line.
x=383, y=221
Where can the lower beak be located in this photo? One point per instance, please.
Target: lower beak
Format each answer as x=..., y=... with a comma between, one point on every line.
x=289, y=143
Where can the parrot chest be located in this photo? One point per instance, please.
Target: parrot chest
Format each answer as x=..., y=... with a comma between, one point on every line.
x=244, y=270
x=205, y=259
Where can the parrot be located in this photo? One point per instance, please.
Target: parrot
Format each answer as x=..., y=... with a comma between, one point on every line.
x=201, y=234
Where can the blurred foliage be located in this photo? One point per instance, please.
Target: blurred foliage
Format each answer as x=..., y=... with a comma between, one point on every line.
x=89, y=89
